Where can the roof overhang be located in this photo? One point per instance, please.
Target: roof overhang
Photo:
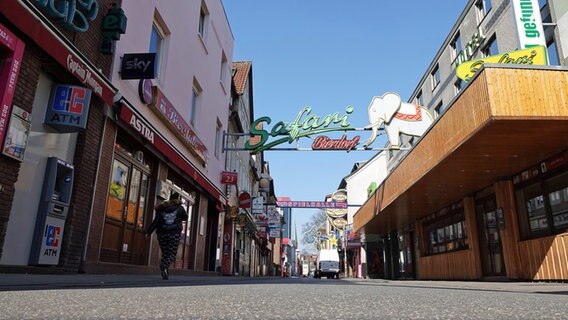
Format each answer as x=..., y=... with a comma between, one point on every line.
x=507, y=119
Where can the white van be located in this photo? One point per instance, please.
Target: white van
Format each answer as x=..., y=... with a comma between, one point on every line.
x=327, y=264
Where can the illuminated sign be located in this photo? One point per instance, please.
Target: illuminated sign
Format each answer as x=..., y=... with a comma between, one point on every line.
x=470, y=47
x=13, y=49
x=326, y=143
x=68, y=108
x=300, y=127
x=311, y=204
x=114, y=24
x=529, y=23
x=389, y=111
x=534, y=56
x=162, y=107
x=74, y=14
x=138, y=66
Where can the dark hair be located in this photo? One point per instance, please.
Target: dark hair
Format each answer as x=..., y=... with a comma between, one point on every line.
x=174, y=196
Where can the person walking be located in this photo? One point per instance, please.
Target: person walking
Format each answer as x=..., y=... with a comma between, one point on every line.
x=168, y=226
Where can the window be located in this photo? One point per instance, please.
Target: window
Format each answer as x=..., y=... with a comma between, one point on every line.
x=218, y=132
x=156, y=44
x=435, y=77
x=552, y=53
x=440, y=108
x=456, y=46
x=195, y=104
x=202, y=21
x=542, y=205
x=420, y=98
x=482, y=7
x=445, y=230
x=224, y=68
x=491, y=48
x=458, y=85
x=542, y=3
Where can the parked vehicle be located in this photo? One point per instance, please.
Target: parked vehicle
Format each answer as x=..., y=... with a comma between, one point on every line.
x=327, y=264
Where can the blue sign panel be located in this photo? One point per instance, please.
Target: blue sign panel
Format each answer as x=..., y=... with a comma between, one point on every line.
x=68, y=108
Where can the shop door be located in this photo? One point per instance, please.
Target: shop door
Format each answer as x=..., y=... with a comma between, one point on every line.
x=406, y=255
x=489, y=237
x=123, y=236
x=185, y=254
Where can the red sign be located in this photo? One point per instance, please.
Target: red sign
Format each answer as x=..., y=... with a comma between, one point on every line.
x=165, y=109
x=144, y=129
x=244, y=200
x=26, y=20
x=228, y=177
x=326, y=143
x=8, y=74
x=311, y=204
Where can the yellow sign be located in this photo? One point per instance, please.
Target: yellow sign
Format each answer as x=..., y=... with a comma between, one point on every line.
x=535, y=55
x=333, y=241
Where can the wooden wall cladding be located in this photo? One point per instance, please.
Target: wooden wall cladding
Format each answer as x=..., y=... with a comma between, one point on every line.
x=459, y=265
x=535, y=93
x=545, y=258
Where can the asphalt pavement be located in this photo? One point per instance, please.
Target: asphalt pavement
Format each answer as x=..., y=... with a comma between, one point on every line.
x=15, y=281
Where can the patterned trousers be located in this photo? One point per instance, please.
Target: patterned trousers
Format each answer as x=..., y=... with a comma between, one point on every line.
x=169, y=243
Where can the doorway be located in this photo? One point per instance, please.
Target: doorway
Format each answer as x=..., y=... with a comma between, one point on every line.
x=123, y=236
x=489, y=237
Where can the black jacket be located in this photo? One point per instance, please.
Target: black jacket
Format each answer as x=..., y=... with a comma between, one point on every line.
x=169, y=217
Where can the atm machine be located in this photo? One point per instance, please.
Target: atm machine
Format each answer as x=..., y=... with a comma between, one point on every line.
x=52, y=212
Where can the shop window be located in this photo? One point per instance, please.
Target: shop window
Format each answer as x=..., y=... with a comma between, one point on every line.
x=542, y=206
x=542, y=3
x=445, y=230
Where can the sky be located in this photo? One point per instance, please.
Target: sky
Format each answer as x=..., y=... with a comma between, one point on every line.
x=330, y=54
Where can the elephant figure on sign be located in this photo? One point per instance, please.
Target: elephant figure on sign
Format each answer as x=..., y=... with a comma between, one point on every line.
x=397, y=117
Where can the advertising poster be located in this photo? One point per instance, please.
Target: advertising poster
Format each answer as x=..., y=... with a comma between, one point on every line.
x=18, y=133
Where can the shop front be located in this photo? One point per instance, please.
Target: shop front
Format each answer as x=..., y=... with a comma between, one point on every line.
x=143, y=166
x=489, y=200
x=53, y=101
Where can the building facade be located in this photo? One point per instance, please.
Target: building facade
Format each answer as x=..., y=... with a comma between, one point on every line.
x=145, y=134
x=166, y=135
x=490, y=200
x=245, y=248
x=55, y=92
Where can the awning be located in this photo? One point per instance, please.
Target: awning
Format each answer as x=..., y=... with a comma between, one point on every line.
x=506, y=120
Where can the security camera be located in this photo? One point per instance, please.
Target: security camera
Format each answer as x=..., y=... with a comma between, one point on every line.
x=117, y=97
